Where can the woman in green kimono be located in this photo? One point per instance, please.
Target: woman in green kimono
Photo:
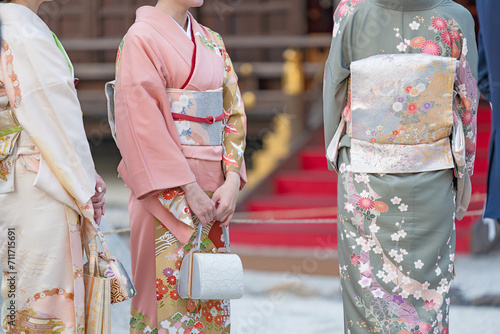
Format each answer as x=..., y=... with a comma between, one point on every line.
x=400, y=105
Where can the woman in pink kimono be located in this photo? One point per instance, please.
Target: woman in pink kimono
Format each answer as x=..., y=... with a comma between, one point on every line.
x=180, y=126
x=47, y=179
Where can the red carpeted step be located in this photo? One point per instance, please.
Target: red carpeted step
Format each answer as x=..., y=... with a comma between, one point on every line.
x=306, y=183
x=313, y=159
x=288, y=202
x=290, y=235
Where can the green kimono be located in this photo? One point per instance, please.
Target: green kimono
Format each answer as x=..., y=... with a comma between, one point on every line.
x=397, y=208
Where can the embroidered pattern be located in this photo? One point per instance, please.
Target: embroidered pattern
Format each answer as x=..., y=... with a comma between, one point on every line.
x=9, y=59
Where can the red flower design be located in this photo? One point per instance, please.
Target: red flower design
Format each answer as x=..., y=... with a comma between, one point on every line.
x=431, y=48
x=373, y=140
x=412, y=108
x=162, y=289
x=209, y=317
x=159, y=296
x=395, y=132
x=191, y=305
x=218, y=306
x=159, y=283
x=218, y=320
x=178, y=264
x=439, y=23
x=169, y=194
x=355, y=259
x=174, y=295
x=447, y=39
x=408, y=89
x=210, y=304
x=172, y=280
x=366, y=203
x=425, y=327
x=204, y=311
x=467, y=118
x=429, y=305
x=454, y=35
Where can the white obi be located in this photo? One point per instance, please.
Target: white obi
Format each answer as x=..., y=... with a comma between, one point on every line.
x=401, y=113
x=198, y=116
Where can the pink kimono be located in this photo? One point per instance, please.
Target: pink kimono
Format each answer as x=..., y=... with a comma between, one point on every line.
x=155, y=56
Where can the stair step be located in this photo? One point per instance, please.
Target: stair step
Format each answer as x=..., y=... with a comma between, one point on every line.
x=306, y=183
x=294, y=235
x=298, y=206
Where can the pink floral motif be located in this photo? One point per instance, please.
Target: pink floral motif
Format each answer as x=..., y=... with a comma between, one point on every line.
x=439, y=23
x=366, y=203
x=447, y=38
x=455, y=36
x=431, y=48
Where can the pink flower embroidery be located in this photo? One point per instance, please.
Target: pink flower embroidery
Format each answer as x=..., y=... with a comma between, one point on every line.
x=455, y=36
x=429, y=305
x=366, y=203
x=439, y=23
x=417, y=42
x=431, y=48
x=467, y=118
x=447, y=38
x=425, y=327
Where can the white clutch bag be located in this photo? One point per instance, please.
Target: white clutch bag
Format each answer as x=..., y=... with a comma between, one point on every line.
x=211, y=276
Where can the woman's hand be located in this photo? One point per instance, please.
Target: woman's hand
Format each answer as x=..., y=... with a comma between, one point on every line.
x=98, y=199
x=199, y=203
x=225, y=198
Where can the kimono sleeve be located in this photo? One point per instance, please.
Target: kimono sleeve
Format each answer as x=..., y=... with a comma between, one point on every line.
x=336, y=80
x=152, y=159
x=235, y=122
x=45, y=102
x=467, y=98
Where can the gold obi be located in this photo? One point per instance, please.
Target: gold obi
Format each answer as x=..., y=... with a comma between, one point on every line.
x=401, y=113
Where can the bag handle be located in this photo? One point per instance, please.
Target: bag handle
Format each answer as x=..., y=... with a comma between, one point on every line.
x=225, y=233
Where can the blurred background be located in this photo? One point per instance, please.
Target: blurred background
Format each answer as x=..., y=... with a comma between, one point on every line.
x=285, y=227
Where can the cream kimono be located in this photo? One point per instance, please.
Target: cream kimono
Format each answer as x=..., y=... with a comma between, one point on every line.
x=47, y=178
x=165, y=74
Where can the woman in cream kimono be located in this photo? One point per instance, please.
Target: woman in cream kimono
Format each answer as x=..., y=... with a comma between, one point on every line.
x=180, y=126
x=400, y=90
x=47, y=179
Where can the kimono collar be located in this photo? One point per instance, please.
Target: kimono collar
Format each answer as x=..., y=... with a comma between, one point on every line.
x=166, y=26
x=408, y=5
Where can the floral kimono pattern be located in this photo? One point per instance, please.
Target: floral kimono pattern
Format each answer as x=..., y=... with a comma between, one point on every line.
x=160, y=154
x=396, y=228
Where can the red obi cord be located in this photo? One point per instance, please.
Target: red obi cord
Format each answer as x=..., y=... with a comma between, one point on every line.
x=209, y=119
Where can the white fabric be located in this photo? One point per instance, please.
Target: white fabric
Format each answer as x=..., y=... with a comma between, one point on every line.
x=49, y=110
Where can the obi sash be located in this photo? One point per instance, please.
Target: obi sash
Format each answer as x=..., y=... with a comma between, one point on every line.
x=401, y=113
x=198, y=116
x=9, y=134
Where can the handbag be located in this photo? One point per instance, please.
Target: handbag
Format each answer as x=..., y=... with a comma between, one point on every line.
x=111, y=268
x=211, y=276
x=97, y=296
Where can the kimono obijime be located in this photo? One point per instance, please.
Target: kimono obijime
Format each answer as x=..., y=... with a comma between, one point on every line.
x=400, y=113
x=47, y=178
x=179, y=119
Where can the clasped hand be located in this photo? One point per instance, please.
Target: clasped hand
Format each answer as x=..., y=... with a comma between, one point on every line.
x=222, y=204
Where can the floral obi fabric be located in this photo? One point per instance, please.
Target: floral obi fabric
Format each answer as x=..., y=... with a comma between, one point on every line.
x=198, y=116
x=9, y=133
x=401, y=113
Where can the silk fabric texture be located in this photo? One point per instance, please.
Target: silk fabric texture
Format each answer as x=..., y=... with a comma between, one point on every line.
x=156, y=55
